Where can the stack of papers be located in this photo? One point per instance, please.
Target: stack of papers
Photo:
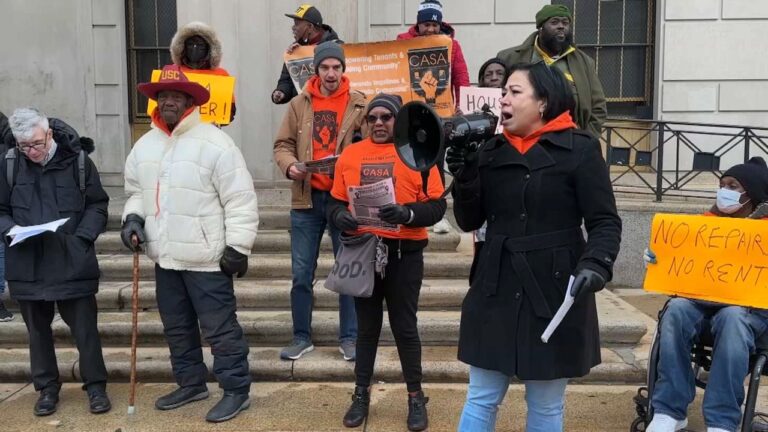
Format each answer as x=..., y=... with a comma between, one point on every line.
x=20, y=233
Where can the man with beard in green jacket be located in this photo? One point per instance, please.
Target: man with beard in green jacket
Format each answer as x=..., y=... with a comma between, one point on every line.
x=552, y=43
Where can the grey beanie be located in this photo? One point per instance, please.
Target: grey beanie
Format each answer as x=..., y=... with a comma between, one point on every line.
x=329, y=49
x=392, y=102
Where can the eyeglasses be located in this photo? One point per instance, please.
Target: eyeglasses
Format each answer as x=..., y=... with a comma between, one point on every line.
x=37, y=145
x=372, y=119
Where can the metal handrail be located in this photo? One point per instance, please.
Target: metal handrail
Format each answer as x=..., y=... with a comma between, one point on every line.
x=669, y=155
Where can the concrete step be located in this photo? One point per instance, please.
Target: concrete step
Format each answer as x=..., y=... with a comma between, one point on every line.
x=439, y=364
x=438, y=265
x=254, y=294
x=279, y=241
x=620, y=324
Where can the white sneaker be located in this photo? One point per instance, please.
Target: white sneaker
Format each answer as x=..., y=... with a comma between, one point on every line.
x=442, y=227
x=665, y=423
x=709, y=429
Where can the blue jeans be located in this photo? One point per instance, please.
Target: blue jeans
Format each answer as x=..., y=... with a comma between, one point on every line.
x=487, y=388
x=307, y=227
x=2, y=268
x=735, y=330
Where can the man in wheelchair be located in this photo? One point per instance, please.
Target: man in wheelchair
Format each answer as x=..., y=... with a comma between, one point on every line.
x=743, y=193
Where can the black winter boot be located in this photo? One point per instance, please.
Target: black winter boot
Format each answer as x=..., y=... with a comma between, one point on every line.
x=417, y=412
x=358, y=411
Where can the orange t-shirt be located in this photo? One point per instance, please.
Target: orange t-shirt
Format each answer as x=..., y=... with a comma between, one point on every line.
x=327, y=114
x=366, y=162
x=561, y=122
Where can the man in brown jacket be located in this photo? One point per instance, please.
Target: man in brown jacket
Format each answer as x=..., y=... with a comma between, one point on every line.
x=319, y=123
x=552, y=44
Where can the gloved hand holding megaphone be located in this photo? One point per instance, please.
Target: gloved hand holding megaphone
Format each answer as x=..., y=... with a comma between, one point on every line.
x=462, y=163
x=421, y=135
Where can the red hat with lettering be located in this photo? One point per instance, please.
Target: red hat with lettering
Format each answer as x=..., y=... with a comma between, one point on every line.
x=172, y=78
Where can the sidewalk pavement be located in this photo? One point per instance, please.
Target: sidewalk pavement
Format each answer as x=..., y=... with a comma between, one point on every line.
x=313, y=407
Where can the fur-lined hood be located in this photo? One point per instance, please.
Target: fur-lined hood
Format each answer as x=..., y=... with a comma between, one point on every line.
x=196, y=28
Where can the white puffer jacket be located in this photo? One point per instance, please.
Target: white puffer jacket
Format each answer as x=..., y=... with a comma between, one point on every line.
x=195, y=194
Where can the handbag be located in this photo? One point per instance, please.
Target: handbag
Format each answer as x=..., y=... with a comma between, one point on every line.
x=358, y=260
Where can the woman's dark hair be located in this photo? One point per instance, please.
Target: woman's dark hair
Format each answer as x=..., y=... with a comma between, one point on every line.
x=548, y=84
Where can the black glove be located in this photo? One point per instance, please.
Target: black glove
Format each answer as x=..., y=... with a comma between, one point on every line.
x=586, y=281
x=133, y=224
x=232, y=262
x=344, y=221
x=462, y=162
x=395, y=214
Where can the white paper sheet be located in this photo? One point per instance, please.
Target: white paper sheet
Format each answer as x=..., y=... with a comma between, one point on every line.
x=560, y=314
x=366, y=200
x=20, y=233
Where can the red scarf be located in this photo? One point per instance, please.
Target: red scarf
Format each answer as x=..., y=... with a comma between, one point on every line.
x=561, y=122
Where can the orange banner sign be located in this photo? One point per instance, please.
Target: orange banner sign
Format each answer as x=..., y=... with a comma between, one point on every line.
x=719, y=259
x=219, y=106
x=415, y=69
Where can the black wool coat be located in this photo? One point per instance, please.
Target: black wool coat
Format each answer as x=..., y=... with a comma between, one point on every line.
x=535, y=205
x=60, y=265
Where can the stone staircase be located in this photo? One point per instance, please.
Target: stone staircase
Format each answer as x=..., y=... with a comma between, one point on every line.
x=263, y=298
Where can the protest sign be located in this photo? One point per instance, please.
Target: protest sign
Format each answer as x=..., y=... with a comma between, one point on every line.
x=415, y=69
x=472, y=99
x=219, y=106
x=719, y=259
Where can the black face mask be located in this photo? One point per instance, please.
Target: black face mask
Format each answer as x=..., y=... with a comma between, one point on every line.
x=196, y=52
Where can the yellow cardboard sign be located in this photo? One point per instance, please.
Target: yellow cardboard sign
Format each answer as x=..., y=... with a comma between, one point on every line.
x=217, y=109
x=719, y=259
x=415, y=69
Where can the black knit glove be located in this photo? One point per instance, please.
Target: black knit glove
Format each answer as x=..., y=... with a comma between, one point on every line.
x=462, y=163
x=233, y=262
x=586, y=281
x=344, y=221
x=133, y=224
x=395, y=214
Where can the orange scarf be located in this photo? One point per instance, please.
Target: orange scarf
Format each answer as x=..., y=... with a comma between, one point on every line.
x=157, y=119
x=326, y=124
x=561, y=122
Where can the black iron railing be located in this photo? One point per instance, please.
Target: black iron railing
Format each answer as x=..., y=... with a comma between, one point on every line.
x=662, y=157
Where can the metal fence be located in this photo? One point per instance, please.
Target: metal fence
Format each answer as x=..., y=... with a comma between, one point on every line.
x=684, y=159
x=619, y=35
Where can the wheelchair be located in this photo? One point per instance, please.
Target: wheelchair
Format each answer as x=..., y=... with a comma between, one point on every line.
x=701, y=360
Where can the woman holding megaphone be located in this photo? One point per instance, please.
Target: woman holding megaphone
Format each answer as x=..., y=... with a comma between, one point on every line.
x=535, y=185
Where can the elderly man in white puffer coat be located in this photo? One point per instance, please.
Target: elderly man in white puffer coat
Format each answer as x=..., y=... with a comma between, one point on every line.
x=191, y=202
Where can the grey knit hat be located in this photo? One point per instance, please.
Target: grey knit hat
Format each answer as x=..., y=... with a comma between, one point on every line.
x=392, y=102
x=329, y=49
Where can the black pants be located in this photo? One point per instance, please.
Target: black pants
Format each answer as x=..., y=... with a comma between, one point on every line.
x=80, y=315
x=400, y=288
x=186, y=297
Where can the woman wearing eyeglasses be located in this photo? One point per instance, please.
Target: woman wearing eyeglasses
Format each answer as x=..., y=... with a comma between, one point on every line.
x=535, y=184
x=418, y=205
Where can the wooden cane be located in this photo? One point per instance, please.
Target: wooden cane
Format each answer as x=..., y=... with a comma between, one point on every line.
x=134, y=322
